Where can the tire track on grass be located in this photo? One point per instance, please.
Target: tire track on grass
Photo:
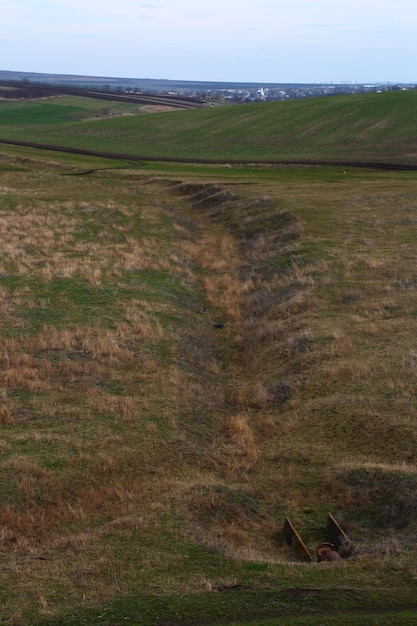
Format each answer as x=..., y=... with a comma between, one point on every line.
x=140, y=159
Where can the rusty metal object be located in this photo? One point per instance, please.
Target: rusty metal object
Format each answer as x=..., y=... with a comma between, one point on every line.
x=325, y=551
x=339, y=546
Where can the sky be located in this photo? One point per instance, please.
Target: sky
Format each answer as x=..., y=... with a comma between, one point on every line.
x=262, y=41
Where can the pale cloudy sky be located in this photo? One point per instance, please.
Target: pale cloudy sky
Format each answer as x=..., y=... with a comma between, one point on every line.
x=224, y=40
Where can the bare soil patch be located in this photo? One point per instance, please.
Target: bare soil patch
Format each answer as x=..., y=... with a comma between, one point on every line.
x=157, y=108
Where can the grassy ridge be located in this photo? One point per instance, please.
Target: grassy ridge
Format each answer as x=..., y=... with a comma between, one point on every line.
x=59, y=110
x=356, y=127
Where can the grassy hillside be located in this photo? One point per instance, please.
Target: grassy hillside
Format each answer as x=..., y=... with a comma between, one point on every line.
x=379, y=127
x=189, y=355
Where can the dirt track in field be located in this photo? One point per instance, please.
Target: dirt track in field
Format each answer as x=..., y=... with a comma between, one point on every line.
x=137, y=159
x=36, y=92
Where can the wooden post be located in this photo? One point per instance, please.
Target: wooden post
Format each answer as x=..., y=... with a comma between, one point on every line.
x=294, y=540
x=340, y=539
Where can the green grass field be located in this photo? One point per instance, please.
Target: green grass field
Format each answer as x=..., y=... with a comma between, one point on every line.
x=189, y=354
x=376, y=127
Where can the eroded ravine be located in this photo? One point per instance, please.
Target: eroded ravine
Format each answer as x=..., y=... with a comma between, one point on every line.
x=242, y=250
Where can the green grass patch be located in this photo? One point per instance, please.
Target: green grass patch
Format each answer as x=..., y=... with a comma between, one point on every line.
x=231, y=607
x=374, y=127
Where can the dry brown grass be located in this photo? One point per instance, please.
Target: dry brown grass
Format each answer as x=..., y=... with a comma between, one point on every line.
x=216, y=253
x=242, y=451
